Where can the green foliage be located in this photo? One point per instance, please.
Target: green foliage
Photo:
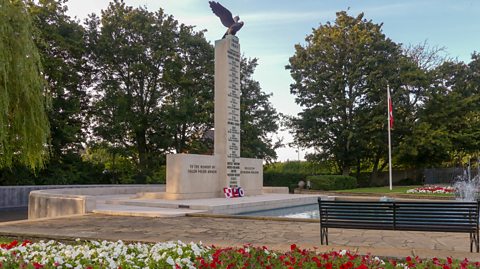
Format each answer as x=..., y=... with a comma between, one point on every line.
x=154, y=94
x=24, y=127
x=118, y=168
x=70, y=170
x=188, y=109
x=259, y=120
x=288, y=174
x=409, y=182
x=283, y=179
x=159, y=176
x=449, y=120
x=303, y=167
x=340, y=78
x=332, y=182
x=62, y=48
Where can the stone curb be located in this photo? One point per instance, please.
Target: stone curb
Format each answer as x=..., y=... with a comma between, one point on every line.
x=221, y=216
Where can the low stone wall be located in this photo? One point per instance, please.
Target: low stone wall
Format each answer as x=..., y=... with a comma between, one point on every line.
x=77, y=200
x=17, y=196
x=267, y=189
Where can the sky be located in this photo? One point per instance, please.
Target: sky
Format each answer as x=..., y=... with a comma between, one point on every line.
x=273, y=27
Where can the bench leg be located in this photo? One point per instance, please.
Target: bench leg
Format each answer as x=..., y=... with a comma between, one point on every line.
x=323, y=235
x=471, y=242
x=477, y=243
x=474, y=240
x=326, y=235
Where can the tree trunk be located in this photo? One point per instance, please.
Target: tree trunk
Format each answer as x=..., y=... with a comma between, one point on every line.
x=142, y=151
x=345, y=169
x=374, y=174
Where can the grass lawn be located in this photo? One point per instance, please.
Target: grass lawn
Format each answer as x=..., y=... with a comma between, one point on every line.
x=395, y=190
x=4, y=240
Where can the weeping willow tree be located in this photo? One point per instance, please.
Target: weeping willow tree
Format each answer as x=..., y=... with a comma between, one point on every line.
x=24, y=127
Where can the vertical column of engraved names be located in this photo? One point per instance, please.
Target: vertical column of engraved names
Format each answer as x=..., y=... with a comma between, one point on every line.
x=233, y=117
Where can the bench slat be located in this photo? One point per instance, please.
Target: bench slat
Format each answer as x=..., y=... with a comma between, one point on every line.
x=405, y=216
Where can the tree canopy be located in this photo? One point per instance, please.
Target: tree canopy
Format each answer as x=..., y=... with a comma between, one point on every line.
x=24, y=125
x=341, y=75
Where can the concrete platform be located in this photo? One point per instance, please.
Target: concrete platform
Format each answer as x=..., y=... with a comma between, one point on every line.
x=136, y=201
x=138, y=211
x=218, y=205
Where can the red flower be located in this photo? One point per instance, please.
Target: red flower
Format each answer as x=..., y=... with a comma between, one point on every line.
x=362, y=266
x=293, y=247
x=36, y=265
x=10, y=245
x=346, y=265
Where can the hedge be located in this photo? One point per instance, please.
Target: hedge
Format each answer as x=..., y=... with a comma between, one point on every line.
x=278, y=179
x=332, y=182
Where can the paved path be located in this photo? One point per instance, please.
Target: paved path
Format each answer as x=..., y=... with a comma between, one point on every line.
x=231, y=231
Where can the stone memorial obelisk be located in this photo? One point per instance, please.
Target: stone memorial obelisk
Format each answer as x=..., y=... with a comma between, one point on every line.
x=193, y=176
x=227, y=110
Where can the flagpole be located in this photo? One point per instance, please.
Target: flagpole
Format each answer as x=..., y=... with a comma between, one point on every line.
x=389, y=109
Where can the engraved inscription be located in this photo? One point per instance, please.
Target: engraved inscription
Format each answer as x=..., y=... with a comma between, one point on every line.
x=233, y=115
x=201, y=169
x=249, y=170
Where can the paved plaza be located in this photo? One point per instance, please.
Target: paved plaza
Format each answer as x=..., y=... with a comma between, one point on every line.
x=235, y=231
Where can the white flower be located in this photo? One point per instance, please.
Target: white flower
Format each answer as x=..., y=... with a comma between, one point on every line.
x=170, y=260
x=58, y=260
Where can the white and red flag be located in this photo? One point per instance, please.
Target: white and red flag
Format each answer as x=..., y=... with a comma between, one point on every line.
x=390, y=110
x=390, y=126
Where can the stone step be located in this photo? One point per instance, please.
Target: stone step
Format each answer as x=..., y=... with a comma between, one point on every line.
x=223, y=205
x=139, y=211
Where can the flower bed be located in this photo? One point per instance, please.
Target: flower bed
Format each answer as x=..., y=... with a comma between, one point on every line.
x=433, y=190
x=115, y=255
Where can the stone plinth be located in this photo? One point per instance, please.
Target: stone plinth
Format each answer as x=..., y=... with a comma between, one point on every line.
x=191, y=176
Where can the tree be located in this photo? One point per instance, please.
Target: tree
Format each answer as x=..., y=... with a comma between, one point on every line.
x=188, y=109
x=340, y=79
x=152, y=73
x=258, y=118
x=24, y=127
x=61, y=43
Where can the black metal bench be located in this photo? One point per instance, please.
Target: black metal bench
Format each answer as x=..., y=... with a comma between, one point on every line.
x=459, y=217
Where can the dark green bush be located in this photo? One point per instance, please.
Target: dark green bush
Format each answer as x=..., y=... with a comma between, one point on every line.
x=409, y=181
x=332, y=182
x=302, y=167
x=278, y=179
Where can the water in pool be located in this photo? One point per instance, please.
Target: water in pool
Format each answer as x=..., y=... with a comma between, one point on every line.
x=302, y=212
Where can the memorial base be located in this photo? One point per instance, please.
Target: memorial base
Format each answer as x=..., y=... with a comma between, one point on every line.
x=191, y=176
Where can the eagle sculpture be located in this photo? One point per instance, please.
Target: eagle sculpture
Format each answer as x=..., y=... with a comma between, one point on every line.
x=232, y=23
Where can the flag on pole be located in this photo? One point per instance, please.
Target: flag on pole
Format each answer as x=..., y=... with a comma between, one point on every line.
x=390, y=109
x=390, y=126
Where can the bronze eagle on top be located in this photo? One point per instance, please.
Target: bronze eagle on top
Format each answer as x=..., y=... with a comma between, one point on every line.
x=232, y=23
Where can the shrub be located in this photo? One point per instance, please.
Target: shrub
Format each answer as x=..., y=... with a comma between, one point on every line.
x=409, y=182
x=332, y=182
x=280, y=179
x=303, y=167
